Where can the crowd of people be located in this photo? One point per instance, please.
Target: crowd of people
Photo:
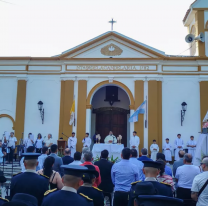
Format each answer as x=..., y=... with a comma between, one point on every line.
x=133, y=180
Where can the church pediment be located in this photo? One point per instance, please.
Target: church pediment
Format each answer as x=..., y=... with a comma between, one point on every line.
x=112, y=45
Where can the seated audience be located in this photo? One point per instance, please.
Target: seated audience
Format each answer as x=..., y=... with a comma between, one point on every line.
x=123, y=174
x=67, y=159
x=88, y=161
x=84, y=150
x=138, y=164
x=144, y=155
x=163, y=177
x=42, y=158
x=87, y=189
x=58, y=160
x=55, y=180
x=199, y=190
x=184, y=176
x=105, y=171
x=168, y=170
x=179, y=162
x=30, y=149
x=77, y=158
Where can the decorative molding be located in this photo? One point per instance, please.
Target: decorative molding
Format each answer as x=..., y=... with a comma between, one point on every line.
x=67, y=78
x=11, y=118
x=82, y=78
x=111, y=50
x=110, y=79
x=104, y=109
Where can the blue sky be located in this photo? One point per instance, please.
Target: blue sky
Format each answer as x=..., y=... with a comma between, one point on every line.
x=48, y=27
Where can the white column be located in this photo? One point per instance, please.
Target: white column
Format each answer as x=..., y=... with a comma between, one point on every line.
x=146, y=114
x=131, y=124
x=88, y=121
x=74, y=129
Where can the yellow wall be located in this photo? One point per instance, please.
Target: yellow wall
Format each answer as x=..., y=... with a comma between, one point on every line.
x=203, y=98
x=81, y=113
x=20, y=108
x=67, y=96
x=155, y=113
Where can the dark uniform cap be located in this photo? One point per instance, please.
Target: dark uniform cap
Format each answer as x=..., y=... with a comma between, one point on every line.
x=31, y=156
x=22, y=199
x=91, y=173
x=152, y=164
x=74, y=170
x=144, y=188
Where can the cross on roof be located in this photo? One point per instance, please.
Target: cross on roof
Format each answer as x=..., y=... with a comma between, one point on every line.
x=112, y=22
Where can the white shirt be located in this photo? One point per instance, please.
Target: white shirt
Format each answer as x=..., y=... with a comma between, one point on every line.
x=28, y=142
x=134, y=141
x=86, y=142
x=192, y=143
x=48, y=142
x=70, y=189
x=39, y=143
x=178, y=142
x=186, y=174
x=22, y=164
x=11, y=141
x=167, y=146
x=41, y=160
x=198, y=183
x=154, y=146
x=72, y=142
x=76, y=162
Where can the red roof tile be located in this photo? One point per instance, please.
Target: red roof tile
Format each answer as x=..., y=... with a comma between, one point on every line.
x=188, y=11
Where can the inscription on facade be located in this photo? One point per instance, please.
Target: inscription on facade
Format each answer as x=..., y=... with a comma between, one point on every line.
x=114, y=68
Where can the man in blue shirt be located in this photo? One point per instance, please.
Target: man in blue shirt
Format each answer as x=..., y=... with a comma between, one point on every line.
x=123, y=174
x=144, y=155
x=138, y=164
x=168, y=170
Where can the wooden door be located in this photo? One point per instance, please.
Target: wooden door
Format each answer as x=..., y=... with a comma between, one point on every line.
x=114, y=120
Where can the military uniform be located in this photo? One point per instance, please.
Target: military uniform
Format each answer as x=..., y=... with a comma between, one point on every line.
x=2, y=201
x=68, y=195
x=163, y=189
x=93, y=193
x=30, y=182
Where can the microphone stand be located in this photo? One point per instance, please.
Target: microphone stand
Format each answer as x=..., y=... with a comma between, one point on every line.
x=65, y=135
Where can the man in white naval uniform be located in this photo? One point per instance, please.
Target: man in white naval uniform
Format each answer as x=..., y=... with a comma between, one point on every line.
x=134, y=142
x=87, y=141
x=178, y=146
x=191, y=144
x=72, y=142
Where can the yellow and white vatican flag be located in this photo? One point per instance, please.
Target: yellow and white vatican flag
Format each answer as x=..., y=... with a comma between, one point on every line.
x=72, y=113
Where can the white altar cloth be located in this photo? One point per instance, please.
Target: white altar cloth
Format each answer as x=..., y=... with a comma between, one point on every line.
x=113, y=149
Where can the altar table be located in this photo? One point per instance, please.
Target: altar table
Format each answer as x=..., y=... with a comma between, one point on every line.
x=113, y=149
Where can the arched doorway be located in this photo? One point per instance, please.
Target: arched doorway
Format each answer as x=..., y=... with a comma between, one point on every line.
x=110, y=112
x=7, y=123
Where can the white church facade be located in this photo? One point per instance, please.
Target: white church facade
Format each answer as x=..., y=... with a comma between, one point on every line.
x=109, y=77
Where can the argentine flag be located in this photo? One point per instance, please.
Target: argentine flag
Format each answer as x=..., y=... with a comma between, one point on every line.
x=140, y=110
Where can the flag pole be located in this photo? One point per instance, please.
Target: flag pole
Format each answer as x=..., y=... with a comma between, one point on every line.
x=146, y=114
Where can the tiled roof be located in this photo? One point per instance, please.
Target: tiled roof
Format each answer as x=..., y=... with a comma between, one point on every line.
x=188, y=11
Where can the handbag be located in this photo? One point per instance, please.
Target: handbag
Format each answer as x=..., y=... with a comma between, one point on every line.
x=202, y=189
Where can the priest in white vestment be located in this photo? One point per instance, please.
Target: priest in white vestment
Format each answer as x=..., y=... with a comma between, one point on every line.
x=154, y=148
x=178, y=146
x=134, y=142
x=191, y=144
x=87, y=141
x=110, y=138
x=72, y=143
x=167, y=150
